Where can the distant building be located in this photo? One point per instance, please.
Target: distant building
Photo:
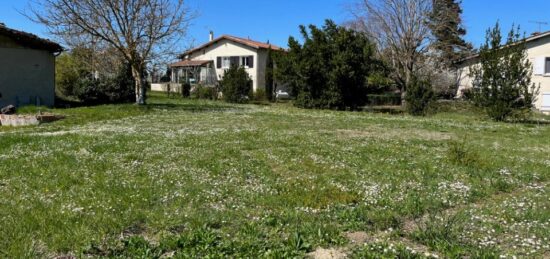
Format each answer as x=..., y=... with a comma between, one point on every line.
x=27, y=68
x=538, y=53
x=208, y=62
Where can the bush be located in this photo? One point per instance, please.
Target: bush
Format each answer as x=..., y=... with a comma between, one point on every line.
x=384, y=99
x=461, y=154
x=236, y=85
x=186, y=90
x=121, y=88
x=69, y=70
x=419, y=97
x=205, y=92
x=502, y=79
x=89, y=91
x=330, y=68
x=467, y=94
x=260, y=95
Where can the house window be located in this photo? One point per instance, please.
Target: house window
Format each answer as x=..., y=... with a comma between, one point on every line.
x=226, y=62
x=246, y=61
x=545, y=106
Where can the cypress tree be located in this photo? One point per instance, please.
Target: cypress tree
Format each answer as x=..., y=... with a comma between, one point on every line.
x=269, y=76
x=446, y=26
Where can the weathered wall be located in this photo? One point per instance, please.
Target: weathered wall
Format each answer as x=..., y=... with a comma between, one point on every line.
x=27, y=76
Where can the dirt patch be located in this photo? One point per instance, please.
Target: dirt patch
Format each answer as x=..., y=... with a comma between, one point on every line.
x=322, y=253
x=359, y=237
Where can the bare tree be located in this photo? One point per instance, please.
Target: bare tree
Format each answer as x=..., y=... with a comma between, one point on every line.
x=401, y=30
x=140, y=30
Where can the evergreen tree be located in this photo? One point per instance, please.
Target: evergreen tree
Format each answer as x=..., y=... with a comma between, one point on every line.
x=502, y=76
x=269, y=76
x=446, y=26
x=236, y=85
x=330, y=69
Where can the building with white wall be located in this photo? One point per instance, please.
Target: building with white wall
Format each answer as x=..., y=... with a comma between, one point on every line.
x=538, y=53
x=208, y=62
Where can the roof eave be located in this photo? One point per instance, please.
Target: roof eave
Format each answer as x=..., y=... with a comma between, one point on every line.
x=227, y=37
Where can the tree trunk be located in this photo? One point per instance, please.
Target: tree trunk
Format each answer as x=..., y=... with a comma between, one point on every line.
x=137, y=73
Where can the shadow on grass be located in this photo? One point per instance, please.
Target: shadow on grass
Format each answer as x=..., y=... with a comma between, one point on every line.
x=195, y=107
x=532, y=122
x=156, y=101
x=386, y=109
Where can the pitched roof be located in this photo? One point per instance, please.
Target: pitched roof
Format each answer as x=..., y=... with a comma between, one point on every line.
x=247, y=42
x=533, y=37
x=190, y=63
x=30, y=40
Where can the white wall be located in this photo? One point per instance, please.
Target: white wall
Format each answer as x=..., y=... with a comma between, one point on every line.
x=535, y=50
x=163, y=87
x=226, y=48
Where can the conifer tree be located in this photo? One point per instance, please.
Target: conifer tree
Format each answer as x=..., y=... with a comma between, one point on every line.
x=446, y=27
x=269, y=76
x=502, y=76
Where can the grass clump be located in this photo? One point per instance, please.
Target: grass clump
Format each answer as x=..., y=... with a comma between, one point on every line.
x=459, y=152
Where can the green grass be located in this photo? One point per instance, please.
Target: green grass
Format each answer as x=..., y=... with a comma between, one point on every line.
x=194, y=178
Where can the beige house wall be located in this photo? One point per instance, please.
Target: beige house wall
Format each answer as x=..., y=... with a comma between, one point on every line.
x=27, y=76
x=227, y=48
x=537, y=50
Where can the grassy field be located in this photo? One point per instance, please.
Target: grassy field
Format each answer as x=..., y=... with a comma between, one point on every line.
x=189, y=178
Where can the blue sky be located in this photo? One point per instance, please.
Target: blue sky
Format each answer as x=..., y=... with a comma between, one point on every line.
x=264, y=20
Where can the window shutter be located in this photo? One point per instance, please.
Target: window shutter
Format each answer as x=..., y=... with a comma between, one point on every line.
x=539, y=66
x=234, y=61
x=545, y=102
x=250, y=61
x=219, y=62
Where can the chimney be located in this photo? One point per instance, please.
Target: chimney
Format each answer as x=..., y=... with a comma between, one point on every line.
x=211, y=36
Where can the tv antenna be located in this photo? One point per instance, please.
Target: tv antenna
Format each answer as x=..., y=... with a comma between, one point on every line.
x=540, y=24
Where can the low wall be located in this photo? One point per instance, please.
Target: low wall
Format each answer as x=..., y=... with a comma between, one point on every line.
x=27, y=120
x=163, y=87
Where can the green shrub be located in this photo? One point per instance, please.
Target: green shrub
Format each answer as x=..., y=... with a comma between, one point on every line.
x=118, y=89
x=384, y=99
x=419, y=97
x=502, y=79
x=236, y=85
x=461, y=154
x=89, y=91
x=467, y=94
x=205, y=92
x=121, y=88
x=186, y=90
x=260, y=95
x=330, y=68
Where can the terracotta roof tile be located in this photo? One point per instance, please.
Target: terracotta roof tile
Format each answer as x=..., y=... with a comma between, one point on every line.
x=247, y=42
x=190, y=63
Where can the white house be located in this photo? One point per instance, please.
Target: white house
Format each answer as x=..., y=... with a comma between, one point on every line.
x=208, y=62
x=538, y=53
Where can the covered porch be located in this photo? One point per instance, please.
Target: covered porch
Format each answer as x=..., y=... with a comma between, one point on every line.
x=194, y=72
